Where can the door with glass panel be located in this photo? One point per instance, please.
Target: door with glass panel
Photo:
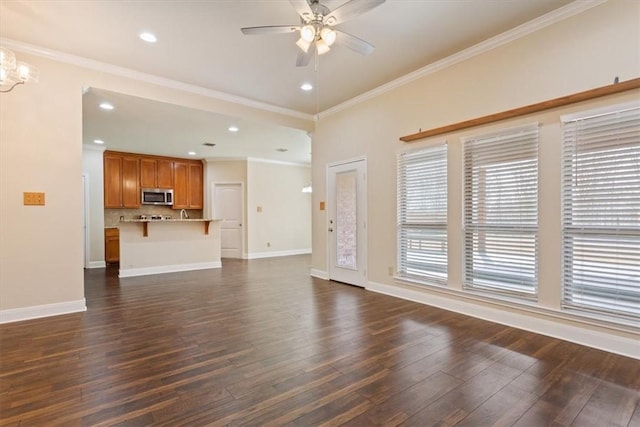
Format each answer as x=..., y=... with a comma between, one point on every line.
x=346, y=223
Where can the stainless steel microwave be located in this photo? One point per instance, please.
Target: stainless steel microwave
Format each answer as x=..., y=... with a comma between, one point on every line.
x=157, y=196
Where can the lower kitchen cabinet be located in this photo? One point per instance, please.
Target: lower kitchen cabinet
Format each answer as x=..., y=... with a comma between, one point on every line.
x=111, y=245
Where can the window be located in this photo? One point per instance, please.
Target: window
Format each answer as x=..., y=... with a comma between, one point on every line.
x=422, y=214
x=601, y=211
x=501, y=212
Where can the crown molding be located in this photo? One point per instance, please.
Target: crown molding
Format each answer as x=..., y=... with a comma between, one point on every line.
x=278, y=162
x=516, y=33
x=93, y=147
x=147, y=78
x=256, y=160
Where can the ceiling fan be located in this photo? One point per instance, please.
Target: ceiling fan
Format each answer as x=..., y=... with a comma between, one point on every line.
x=316, y=28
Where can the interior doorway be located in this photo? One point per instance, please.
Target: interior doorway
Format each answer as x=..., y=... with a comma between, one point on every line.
x=347, y=221
x=228, y=206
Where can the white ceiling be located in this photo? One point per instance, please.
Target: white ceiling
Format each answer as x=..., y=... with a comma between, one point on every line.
x=140, y=125
x=200, y=43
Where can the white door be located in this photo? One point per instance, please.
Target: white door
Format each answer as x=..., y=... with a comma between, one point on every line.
x=347, y=222
x=228, y=206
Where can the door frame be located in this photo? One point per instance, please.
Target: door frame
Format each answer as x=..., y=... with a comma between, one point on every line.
x=86, y=201
x=243, y=227
x=329, y=207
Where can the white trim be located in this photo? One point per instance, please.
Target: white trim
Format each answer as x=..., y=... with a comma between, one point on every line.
x=147, y=78
x=93, y=147
x=553, y=17
x=86, y=203
x=225, y=159
x=324, y=275
x=278, y=162
x=255, y=159
x=145, y=271
x=344, y=162
x=541, y=323
x=258, y=255
x=96, y=264
x=46, y=310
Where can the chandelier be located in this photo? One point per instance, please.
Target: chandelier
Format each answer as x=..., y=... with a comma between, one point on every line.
x=14, y=73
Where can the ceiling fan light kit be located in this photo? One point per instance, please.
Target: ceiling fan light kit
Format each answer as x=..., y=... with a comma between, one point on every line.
x=316, y=32
x=308, y=33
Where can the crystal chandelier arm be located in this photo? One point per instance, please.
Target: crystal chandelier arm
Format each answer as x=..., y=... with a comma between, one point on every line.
x=11, y=88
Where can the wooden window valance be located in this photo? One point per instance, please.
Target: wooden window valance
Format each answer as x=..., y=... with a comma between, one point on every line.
x=533, y=108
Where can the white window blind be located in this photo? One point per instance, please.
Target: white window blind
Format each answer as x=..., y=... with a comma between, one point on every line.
x=501, y=212
x=601, y=212
x=422, y=214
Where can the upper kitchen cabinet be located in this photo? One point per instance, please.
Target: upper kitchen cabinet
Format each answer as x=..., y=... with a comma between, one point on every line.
x=156, y=173
x=121, y=183
x=187, y=185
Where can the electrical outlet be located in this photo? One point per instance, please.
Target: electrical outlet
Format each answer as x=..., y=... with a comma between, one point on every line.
x=268, y=244
x=33, y=199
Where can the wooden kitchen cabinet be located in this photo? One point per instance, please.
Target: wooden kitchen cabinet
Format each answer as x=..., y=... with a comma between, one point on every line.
x=111, y=245
x=156, y=173
x=187, y=185
x=195, y=186
x=121, y=181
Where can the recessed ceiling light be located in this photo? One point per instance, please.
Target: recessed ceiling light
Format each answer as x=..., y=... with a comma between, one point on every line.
x=306, y=86
x=106, y=106
x=192, y=153
x=233, y=129
x=148, y=37
x=98, y=141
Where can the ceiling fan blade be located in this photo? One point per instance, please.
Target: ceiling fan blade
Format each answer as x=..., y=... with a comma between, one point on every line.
x=354, y=43
x=272, y=29
x=350, y=10
x=303, y=9
x=305, y=57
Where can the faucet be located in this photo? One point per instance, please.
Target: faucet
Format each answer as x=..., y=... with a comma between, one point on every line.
x=184, y=214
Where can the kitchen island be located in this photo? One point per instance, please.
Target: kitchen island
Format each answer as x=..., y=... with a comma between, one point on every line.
x=168, y=245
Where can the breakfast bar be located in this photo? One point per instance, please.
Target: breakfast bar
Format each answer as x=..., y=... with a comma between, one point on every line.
x=168, y=245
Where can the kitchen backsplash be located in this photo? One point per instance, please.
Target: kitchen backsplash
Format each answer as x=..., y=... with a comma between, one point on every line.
x=112, y=216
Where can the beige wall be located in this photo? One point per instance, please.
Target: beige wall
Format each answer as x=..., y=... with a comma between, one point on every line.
x=580, y=53
x=41, y=257
x=284, y=223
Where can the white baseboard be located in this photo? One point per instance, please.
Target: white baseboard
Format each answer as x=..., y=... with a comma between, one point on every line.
x=257, y=255
x=324, y=275
x=96, y=264
x=540, y=323
x=145, y=271
x=46, y=310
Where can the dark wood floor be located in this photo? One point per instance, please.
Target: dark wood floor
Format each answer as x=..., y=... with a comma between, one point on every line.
x=261, y=343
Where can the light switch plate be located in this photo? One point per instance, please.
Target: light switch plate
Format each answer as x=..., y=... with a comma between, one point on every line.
x=33, y=199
